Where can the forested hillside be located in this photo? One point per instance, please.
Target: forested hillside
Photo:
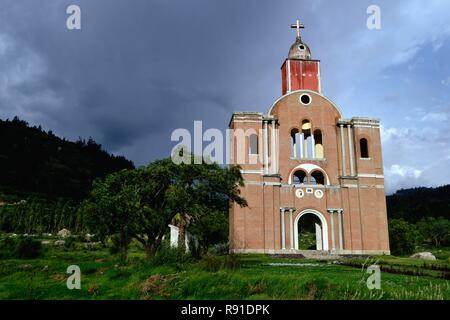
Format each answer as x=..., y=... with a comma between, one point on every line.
x=415, y=204
x=36, y=162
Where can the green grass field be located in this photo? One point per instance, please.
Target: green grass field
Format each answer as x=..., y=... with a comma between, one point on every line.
x=103, y=277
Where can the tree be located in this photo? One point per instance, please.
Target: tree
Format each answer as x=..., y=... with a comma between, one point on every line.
x=111, y=208
x=436, y=230
x=187, y=192
x=182, y=220
x=199, y=191
x=210, y=228
x=403, y=236
x=141, y=203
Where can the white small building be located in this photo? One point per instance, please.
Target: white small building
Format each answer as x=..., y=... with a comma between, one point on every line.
x=174, y=232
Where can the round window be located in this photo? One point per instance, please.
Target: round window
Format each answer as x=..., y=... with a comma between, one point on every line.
x=305, y=99
x=301, y=47
x=299, y=193
x=318, y=193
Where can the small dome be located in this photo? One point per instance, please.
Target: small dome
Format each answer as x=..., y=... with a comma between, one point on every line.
x=299, y=50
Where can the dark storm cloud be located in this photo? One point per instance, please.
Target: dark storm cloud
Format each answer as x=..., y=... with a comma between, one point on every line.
x=136, y=69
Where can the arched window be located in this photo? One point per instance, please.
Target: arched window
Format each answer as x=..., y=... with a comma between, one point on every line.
x=307, y=150
x=318, y=144
x=253, y=145
x=308, y=173
x=364, y=148
x=299, y=177
x=317, y=177
x=295, y=143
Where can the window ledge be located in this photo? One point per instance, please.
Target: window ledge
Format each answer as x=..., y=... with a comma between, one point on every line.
x=297, y=185
x=309, y=159
x=366, y=159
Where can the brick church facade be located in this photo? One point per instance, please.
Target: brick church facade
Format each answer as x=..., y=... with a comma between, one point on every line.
x=303, y=158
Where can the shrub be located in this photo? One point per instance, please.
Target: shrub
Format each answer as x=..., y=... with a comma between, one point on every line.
x=317, y=288
x=211, y=263
x=167, y=255
x=120, y=245
x=403, y=237
x=20, y=248
x=69, y=243
x=156, y=286
x=435, y=230
x=113, y=246
x=8, y=248
x=220, y=248
x=232, y=261
x=257, y=288
x=28, y=248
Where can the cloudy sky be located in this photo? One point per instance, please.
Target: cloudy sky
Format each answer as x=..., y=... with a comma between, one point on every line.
x=139, y=69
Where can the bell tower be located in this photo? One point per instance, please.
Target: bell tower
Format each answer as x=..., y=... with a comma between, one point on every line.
x=299, y=71
x=303, y=158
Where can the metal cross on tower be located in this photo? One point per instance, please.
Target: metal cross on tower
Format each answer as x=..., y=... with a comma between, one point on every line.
x=298, y=26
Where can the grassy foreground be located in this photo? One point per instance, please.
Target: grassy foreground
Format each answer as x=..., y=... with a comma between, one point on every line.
x=253, y=277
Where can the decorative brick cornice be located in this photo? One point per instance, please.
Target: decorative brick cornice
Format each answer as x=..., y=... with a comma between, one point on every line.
x=360, y=122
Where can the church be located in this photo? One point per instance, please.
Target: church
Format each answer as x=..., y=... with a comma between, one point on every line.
x=303, y=162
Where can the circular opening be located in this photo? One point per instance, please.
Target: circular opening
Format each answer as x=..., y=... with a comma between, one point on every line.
x=318, y=194
x=299, y=193
x=301, y=47
x=305, y=99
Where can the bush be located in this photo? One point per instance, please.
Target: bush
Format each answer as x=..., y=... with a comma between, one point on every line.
x=211, y=263
x=167, y=255
x=113, y=246
x=436, y=231
x=232, y=261
x=29, y=249
x=220, y=248
x=69, y=243
x=8, y=248
x=20, y=248
x=119, y=245
x=403, y=237
x=317, y=289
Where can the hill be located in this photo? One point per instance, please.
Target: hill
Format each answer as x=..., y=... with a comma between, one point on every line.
x=414, y=204
x=33, y=161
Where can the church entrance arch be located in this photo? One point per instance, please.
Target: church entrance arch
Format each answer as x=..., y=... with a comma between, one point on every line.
x=319, y=228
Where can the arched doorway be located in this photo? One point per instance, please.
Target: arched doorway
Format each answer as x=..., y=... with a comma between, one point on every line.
x=319, y=228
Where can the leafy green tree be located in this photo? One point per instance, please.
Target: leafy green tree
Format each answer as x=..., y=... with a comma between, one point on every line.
x=209, y=228
x=435, y=230
x=403, y=236
x=187, y=192
x=182, y=220
x=141, y=203
x=112, y=207
x=201, y=191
